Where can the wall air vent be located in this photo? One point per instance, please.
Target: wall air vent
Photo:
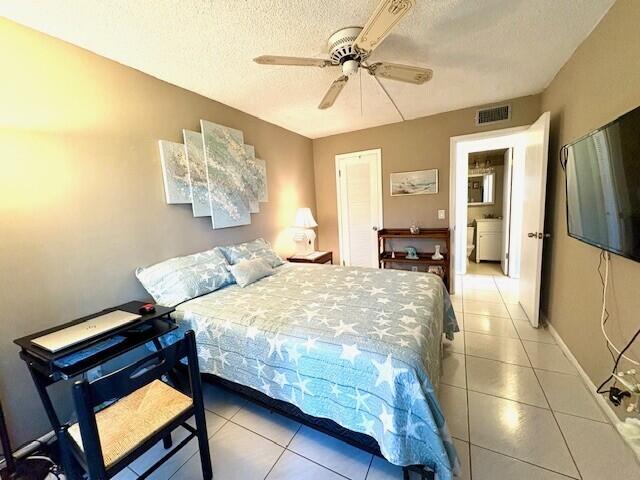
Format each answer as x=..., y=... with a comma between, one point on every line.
x=490, y=115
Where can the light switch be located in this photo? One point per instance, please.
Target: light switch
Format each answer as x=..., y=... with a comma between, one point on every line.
x=441, y=214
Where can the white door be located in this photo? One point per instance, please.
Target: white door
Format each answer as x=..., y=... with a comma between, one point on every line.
x=359, y=187
x=506, y=210
x=536, y=146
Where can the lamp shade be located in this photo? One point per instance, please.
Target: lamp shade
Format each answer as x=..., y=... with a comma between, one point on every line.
x=304, y=219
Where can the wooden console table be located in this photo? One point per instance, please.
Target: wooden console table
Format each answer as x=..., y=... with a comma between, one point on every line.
x=424, y=260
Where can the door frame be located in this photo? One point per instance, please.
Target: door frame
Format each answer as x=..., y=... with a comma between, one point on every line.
x=460, y=147
x=378, y=165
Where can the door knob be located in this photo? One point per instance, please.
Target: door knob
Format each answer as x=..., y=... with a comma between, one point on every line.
x=375, y=229
x=532, y=234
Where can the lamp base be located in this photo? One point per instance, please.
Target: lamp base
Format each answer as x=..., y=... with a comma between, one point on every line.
x=305, y=242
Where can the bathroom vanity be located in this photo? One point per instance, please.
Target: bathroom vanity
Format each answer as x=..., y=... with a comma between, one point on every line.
x=489, y=239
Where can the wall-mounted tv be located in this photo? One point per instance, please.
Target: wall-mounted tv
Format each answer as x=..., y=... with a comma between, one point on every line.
x=603, y=186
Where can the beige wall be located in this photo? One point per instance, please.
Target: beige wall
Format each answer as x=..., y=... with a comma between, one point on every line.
x=412, y=145
x=81, y=197
x=598, y=83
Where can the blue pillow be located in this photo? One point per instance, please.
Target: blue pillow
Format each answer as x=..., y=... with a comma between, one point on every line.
x=258, y=248
x=182, y=278
x=247, y=272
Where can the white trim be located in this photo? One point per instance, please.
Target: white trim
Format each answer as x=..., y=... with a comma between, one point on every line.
x=461, y=236
x=338, y=158
x=600, y=400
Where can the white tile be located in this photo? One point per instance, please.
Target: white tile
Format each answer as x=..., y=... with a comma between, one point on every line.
x=220, y=401
x=487, y=465
x=126, y=474
x=492, y=296
x=504, y=380
x=459, y=318
x=456, y=301
x=456, y=345
x=453, y=372
x=498, y=326
x=516, y=312
x=380, y=469
x=485, y=308
x=235, y=453
x=509, y=350
x=266, y=423
x=568, y=394
x=518, y=430
x=527, y=332
x=548, y=357
x=453, y=401
x=168, y=468
x=465, y=462
x=509, y=295
x=332, y=453
x=479, y=282
x=291, y=466
x=598, y=450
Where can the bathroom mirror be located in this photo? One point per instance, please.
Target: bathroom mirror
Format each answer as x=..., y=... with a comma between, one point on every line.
x=481, y=189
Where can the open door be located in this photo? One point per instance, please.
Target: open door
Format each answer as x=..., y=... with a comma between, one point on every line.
x=536, y=151
x=506, y=210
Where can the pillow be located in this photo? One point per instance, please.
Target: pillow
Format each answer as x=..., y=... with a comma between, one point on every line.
x=258, y=248
x=182, y=278
x=248, y=271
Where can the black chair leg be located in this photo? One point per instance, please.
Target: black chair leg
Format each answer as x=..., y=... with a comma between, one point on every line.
x=167, y=443
x=203, y=444
x=405, y=473
x=66, y=458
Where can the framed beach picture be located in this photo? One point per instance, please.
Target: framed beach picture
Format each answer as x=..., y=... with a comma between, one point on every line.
x=419, y=182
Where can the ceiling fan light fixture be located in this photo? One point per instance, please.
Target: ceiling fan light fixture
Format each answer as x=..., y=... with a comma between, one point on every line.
x=350, y=67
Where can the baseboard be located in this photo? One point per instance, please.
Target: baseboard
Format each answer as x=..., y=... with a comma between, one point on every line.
x=605, y=406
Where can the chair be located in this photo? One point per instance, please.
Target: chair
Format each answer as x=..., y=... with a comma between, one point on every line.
x=147, y=411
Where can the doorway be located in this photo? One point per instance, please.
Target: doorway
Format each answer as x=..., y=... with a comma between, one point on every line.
x=506, y=245
x=359, y=190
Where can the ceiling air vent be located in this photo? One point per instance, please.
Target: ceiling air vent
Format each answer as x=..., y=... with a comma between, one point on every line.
x=492, y=115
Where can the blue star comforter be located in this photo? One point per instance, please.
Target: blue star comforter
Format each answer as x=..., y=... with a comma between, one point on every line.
x=360, y=346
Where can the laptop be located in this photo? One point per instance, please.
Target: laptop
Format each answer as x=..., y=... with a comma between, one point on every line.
x=86, y=330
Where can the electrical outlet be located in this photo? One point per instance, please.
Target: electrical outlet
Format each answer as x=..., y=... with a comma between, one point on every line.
x=441, y=214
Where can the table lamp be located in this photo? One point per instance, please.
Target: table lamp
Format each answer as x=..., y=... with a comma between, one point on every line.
x=304, y=236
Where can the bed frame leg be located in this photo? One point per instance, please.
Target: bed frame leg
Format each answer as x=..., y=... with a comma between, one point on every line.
x=425, y=474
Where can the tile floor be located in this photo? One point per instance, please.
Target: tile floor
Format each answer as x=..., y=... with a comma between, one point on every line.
x=515, y=407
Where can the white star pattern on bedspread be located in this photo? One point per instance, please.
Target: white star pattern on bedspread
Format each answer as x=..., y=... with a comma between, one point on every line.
x=359, y=346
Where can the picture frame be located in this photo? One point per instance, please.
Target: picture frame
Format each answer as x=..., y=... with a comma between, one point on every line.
x=417, y=182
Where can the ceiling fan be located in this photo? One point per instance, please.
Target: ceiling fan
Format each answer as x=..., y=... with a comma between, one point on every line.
x=350, y=47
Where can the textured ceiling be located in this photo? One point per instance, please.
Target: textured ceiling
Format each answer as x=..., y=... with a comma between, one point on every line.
x=481, y=51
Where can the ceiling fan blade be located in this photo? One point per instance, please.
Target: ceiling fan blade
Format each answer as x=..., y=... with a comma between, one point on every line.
x=380, y=24
x=293, y=61
x=333, y=92
x=402, y=73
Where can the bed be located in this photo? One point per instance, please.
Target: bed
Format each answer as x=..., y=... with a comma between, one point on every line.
x=359, y=346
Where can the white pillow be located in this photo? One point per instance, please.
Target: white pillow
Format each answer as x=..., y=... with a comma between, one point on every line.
x=248, y=271
x=182, y=278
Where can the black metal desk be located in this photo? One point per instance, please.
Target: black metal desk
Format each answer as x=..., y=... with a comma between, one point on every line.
x=42, y=363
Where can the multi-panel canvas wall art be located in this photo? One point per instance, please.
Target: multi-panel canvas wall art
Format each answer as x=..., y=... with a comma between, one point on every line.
x=197, y=173
x=177, y=186
x=225, y=157
x=215, y=172
x=263, y=192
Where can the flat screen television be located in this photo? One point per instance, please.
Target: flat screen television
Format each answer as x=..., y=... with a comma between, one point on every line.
x=603, y=186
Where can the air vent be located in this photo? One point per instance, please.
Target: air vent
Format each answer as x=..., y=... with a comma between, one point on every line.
x=493, y=115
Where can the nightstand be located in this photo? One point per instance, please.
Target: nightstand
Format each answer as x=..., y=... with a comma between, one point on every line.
x=315, y=257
